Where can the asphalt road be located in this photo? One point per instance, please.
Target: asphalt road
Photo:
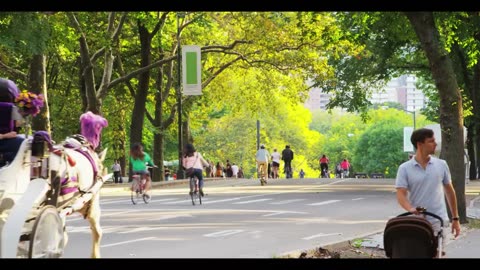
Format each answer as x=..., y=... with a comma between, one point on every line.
x=238, y=219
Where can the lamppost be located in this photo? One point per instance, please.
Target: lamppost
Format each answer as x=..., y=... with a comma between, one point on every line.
x=414, y=121
x=180, y=172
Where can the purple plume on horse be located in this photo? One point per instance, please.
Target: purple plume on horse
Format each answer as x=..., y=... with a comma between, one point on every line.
x=91, y=127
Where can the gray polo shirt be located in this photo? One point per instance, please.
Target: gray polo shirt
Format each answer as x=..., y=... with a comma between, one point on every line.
x=262, y=155
x=425, y=186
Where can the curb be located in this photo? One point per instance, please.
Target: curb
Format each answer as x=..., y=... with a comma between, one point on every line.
x=329, y=246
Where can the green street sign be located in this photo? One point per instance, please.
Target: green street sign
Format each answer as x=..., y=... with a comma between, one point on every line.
x=191, y=70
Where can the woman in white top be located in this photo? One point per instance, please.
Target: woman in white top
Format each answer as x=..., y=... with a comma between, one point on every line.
x=192, y=158
x=275, y=162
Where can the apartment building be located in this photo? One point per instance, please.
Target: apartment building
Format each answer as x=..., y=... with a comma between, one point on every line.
x=401, y=90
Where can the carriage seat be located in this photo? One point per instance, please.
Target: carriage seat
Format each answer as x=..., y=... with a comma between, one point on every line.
x=12, y=174
x=6, y=122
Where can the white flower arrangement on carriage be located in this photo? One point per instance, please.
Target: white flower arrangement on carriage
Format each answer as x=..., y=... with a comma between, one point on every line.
x=33, y=208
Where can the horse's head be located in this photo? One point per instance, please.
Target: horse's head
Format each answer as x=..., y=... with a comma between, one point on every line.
x=91, y=127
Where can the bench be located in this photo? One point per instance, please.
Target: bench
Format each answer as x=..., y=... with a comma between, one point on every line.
x=360, y=175
x=377, y=175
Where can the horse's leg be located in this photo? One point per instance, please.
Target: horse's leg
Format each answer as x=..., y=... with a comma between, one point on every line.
x=93, y=217
x=65, y=235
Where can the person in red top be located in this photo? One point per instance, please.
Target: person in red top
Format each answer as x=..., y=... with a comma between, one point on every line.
x=345, y=167
x=324, y=166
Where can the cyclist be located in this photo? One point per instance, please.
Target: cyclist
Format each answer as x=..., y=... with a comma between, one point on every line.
x=192, y=158
x=324, y=165
x=139, y=160
x=262, y=158
x=287, y=157
x=345, y=167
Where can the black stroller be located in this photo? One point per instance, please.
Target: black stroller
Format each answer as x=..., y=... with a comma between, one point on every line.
x=407, y=236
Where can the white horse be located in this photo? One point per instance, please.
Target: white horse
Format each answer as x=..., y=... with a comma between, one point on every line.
x=70, y=184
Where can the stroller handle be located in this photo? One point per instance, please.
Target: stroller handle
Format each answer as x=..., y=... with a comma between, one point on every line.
x=424, y=212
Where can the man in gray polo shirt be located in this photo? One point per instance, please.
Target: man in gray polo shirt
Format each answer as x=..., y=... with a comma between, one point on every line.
x=424, y=180
x=262, y=158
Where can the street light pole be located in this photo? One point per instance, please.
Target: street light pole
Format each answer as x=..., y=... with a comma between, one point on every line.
x=180, y=172
x=414, y=118
x=414, y=121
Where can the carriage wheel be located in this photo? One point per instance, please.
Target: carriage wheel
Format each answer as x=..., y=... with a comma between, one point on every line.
x=46, y=239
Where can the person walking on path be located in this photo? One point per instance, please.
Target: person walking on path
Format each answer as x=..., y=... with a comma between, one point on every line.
x=116, y=168
x=301, y=173
x=275, y=162
x=235, y=170
x=425, y=181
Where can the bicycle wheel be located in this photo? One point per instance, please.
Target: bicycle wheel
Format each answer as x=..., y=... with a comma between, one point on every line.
x=134, y=193
x=198, y=193
x=260, y=174
x=46, y=238
x=192, y=190
x=146, y=197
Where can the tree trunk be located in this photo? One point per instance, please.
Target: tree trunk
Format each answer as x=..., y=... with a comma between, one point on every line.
x=475, y=162
x=37, y=83
x=158, y=157
x=138, y=113
x=451, y=111
x=471, y=152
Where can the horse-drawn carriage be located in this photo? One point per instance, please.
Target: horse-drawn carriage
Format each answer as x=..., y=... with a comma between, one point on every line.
x=43, y=185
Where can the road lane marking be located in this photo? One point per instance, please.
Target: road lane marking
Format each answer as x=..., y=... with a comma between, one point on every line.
x=182, y=201
x=139, y=229
x=237, y=198
x=129, y=201
x=169, y=217
x=103, y=215
x=356, y=199
x=126, y=242
x=287, y=201
x=325, y=202
x=223, y=233
x=162, y=200
x=283, y=212
x=320, y=235
x=253, y=201
x=102, y=201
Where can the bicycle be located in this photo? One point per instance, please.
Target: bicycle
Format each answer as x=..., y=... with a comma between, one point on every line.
x=138, y=188
x=194, y=190
x=324, y=174
x=288, y=172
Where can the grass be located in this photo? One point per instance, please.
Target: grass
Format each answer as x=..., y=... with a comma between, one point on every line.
x=356, y=243
x=473, y=223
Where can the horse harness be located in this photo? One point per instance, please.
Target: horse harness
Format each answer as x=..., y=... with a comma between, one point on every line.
x=69, y=182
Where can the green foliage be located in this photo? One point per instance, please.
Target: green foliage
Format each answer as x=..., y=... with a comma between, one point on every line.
x=24, y=32
x=347, y=54
x=380, y=149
